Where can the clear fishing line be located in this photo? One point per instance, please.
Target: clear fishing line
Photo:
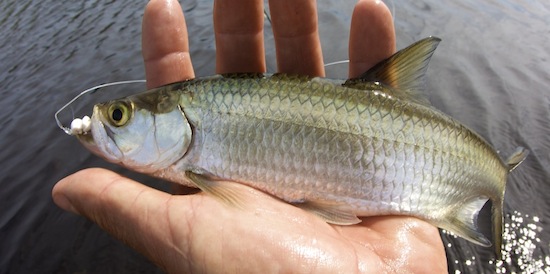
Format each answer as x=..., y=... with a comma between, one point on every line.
x=336, y=63
x=68, y=129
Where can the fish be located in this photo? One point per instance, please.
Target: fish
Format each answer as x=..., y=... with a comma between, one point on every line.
x=340, y=149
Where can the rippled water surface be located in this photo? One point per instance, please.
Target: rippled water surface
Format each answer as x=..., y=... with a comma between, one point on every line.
x=490, y=72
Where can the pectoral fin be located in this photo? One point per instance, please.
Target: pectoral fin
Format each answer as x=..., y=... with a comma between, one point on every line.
x=334, y=213
x=216, y=188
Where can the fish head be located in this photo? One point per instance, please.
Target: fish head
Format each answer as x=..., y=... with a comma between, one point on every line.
x=146, y=132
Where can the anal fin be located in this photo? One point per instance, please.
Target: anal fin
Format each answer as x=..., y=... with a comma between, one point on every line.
x=331, y=212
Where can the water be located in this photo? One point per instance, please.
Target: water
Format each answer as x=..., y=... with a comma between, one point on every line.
x=490, y=72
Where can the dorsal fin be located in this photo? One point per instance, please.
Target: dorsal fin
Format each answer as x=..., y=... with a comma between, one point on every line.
x=403, y=72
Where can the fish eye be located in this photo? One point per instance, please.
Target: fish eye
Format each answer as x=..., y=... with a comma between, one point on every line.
x=119, y=113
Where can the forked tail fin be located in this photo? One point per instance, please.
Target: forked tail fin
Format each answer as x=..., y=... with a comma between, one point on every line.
x=498, y=221
x=498, y=205
x=516, y=158
x=462, y=221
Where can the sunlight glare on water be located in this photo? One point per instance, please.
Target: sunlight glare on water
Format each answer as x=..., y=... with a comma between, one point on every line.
x=521, y=251
x=521, y=238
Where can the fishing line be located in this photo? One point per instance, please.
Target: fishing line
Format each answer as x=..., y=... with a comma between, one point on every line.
x=90, y=90
x=267, y=16
x=337, y=63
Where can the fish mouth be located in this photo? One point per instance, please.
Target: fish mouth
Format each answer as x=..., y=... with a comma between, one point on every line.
x=87, y=139
x=100, y=139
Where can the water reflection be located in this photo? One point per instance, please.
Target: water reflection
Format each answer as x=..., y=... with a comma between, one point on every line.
x=523, y=250
x=523, y=247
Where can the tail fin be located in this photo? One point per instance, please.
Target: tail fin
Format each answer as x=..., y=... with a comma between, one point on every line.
x=498, y=221
x=516, y=158
x=463, y=221
x=498, y=205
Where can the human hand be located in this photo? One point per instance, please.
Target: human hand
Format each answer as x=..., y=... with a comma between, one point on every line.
x=198, y=233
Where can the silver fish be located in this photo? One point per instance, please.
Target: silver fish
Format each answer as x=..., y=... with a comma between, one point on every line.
x=367, y=146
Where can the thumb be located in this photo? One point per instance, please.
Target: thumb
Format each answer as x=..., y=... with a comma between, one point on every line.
x=133, y=213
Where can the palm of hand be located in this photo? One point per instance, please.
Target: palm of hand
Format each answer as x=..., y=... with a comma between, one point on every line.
x=293, y=240
x=198, y=233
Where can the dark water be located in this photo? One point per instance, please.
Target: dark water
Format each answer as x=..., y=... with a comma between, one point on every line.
x=490, y=72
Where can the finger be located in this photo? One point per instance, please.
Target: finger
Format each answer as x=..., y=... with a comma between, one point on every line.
x=131, y=212
x=165, y=46
x=238, y=26
x=296, y=36
x=372, y=36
